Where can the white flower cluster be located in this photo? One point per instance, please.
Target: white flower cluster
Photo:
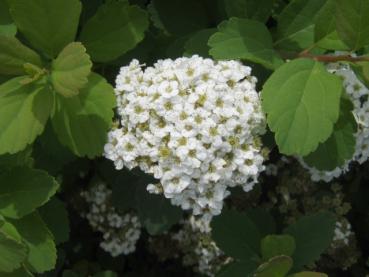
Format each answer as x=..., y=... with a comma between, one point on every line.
x=120, y=231
x=194, y=124
x=342, y=232
x=359, y=94
x=200, y=250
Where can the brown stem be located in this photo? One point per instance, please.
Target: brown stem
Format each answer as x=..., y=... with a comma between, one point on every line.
x=329, y=59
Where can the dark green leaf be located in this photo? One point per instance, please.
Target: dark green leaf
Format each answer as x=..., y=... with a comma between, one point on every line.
x=252, y=9
x=236, y=235
x=82, y=122
x=302, y=101
x=42, y=251
x=352, y=22
x=48, y=24
x=340, y=146
x=198, y=43
x=263, y=221
x=71, y=69
x=276, y=267
x=13, y=55
x=113, y=30
x=313, y=234
x=276, y=245
x=24, y=189
x=308, y=274
x=107, y=273
x=7, y=26
x=246, y=39
x=238, y=269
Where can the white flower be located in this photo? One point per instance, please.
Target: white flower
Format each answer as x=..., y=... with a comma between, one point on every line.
x=194, y=124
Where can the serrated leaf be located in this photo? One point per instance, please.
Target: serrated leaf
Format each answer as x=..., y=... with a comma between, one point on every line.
x=49, y=25
x=301, y=100
x=42, y=251
x=276, y=267
x=12, y=252
x=238, y=269
x=23, y=190
x=198, y=43
x=32, y=103
x=352, y=22
x=13, y=55
x=276, y=245
x=82, y=122
x=7, y=26
x=340, y=146
x=240, y=38
x=295, y=29
x=71, y=69
x=313, y=234
x=253, y=9
x=115, y=28
x=55, y=216
x=236, y=235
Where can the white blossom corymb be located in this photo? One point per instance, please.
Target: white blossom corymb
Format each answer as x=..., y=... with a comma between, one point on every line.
x=192, y=123
x=359, y=94
x=120, y=231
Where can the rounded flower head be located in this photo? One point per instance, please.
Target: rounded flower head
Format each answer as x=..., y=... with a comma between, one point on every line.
x=194, y=124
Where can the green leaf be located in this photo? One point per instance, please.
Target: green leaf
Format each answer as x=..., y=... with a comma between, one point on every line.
x=276, y=267
x=7, y=26
x=313, y=234
x=42, y=251
x=302, y=101
x=12, y=252
x=71, y=69
x=32, y=104
x=246, y=39
x=252, y=9
x=21, y=272
x=173, y=16
x=295, y=30
x=263, y=221
x=55, y=216
x=340, y=146
x=113, y=30
x=236, y=235
x=361, y=70
x=276, y=245
x=23, y=190
x=49, y=25
x=106, y=273
x=22, y=158
x=308, y=274
x=352, y=22
x=197, y=43
x=238, y=269
x=155, y=212
x=13, y=55
x=82, y=122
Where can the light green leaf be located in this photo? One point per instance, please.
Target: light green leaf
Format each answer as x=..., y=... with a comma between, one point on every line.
x=352, y=22
x=301, y=100
x=246, y=39
x=48, y=24
x=198, y=43
x=12, y=252
x=276, y=245
x=236, y=235
x=13, y=55
x=32, y=104
x=42, y=251
x=71, y=69
x=113, y=30
x=277, y=266
x=7, y=26
x=295, y=30
x=252, y=9
x=23, y=190
x=82, y=122
x=340, y=146
x=313, y=234
x=55, y=216
x=238, y=269
x=21, y=272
